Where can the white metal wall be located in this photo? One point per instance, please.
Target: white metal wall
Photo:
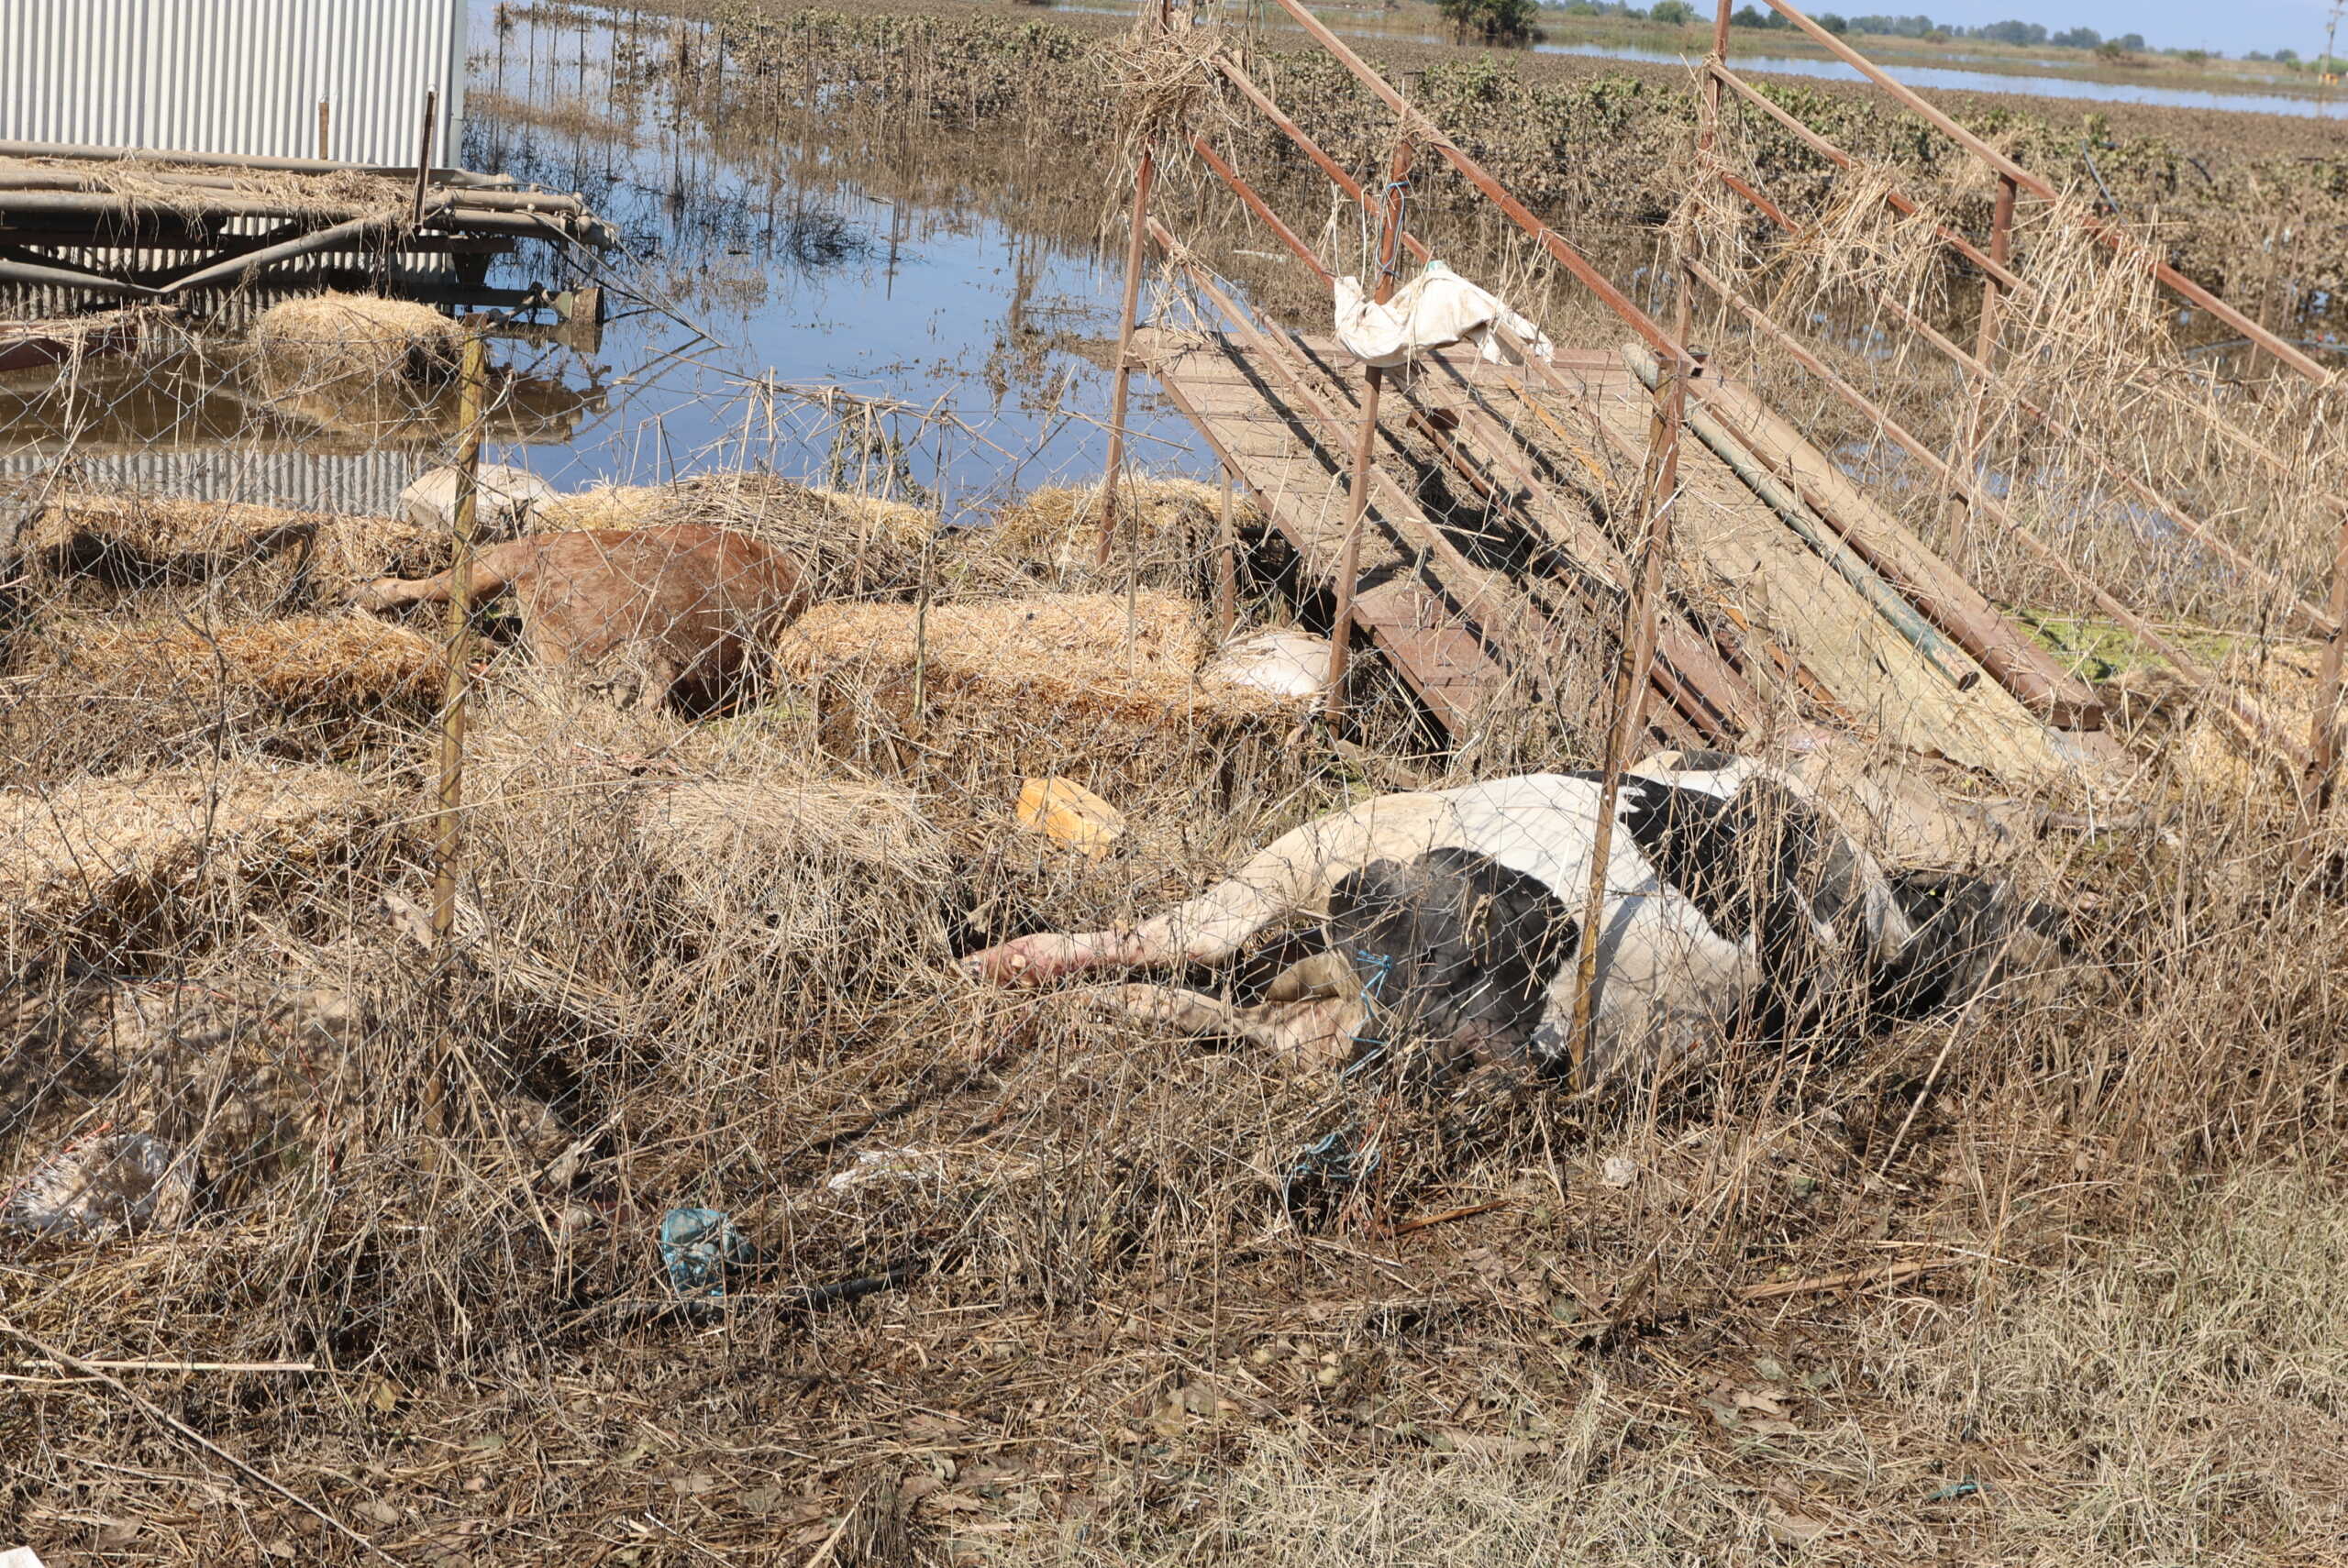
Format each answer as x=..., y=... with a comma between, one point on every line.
x=233, y=75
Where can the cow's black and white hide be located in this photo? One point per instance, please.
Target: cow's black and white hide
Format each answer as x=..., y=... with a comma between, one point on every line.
x=1734, y=905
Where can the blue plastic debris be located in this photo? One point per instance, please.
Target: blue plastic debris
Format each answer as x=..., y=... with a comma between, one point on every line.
x=1964, y=1488
x=698, y=1245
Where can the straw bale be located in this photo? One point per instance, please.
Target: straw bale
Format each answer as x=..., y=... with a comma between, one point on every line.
x=351, y=664
x=145, y=540
x=338, y=337
x=93, y=862
x=1073, y=656
x=1172, y=522
x=852, y=545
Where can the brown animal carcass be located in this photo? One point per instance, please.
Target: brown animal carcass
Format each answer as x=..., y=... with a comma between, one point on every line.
x=678, y=613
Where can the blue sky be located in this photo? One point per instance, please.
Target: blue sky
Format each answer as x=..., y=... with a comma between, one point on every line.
x=2235, y=27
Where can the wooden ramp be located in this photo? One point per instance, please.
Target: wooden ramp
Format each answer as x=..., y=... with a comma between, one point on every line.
x=1777, y=619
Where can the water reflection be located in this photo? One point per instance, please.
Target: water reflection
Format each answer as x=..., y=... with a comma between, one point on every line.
x=758, y=268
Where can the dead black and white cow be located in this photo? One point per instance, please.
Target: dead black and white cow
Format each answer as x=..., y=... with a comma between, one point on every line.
x=1735, y=904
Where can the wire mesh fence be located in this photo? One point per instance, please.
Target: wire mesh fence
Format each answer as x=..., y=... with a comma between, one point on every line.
x=766, y=740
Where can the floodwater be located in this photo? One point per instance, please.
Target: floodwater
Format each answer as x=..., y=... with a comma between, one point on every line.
x=770, y=308
x=1921, y=76
x=1942, y=78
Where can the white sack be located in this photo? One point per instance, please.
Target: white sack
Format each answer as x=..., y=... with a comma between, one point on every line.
x=1435, y=309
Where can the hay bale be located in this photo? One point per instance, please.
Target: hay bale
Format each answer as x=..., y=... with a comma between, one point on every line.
x=1074, y=656
x=316, y=666
x=853, y=546
x=103, y=865
x=97, y=695
x=143, y=541
x=1173, y=525
x=335, y=338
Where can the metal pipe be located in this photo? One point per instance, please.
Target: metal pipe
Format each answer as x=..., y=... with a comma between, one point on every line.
x=1112, y=472
x=72, y=278
x=449, y=793
x=1573, y=261
x=1262, y=209
x=1638, y=653
x=1365, y=456
x=81, y=151
x=2184, y=663
x=2114, y=238
x=236, y=267
x=423, y=151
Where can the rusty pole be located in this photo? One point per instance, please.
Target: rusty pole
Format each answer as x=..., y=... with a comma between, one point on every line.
x=423, y=152
x=1985, y=349
x=449, y=794
x=1227, y=567
x=1631, y=680
x=1390, y=247
x=1144, y=177
x=324, y=142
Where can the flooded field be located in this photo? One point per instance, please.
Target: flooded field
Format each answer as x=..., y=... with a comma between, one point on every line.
x=768, y=283
x=1719, y=966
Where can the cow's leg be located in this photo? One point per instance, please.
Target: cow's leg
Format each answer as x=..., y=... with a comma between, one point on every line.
x=494, y=570
x=1311, y=1035
x=1293, y=873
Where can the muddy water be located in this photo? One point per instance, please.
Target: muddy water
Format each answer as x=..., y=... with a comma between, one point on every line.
x=773, y=308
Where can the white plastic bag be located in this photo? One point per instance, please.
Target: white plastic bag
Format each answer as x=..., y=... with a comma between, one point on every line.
x=1434, y=310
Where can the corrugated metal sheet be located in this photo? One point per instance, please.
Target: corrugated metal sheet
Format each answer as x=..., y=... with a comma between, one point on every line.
x=366, y=484
x=232, y=75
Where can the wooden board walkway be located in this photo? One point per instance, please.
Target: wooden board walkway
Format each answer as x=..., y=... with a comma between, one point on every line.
x=1775, y=621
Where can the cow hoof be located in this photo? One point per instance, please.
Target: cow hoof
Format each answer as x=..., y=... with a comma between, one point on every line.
x=1024, y=961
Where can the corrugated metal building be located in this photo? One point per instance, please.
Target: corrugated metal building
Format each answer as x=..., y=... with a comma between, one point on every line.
x=239, y=76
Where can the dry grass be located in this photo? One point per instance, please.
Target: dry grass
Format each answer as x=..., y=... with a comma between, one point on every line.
x=145, y=541
x=711, y=964
x=88, y=864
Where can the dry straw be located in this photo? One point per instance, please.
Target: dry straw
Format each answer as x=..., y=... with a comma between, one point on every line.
x=334, y=339
x=82, y=863
x=151, y=540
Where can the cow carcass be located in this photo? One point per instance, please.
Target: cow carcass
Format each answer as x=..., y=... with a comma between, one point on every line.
x=678, y=614
x=1735, y=904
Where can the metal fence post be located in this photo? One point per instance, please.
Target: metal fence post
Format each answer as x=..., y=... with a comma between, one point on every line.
x=449, y=791
x=1632, y=676
x=1365, y=456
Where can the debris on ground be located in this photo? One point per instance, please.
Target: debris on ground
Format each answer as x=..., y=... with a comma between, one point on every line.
x=124, y=1181
x=505, y=500
x=1067, y=812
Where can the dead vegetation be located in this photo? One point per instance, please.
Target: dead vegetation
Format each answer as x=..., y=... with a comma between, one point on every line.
x=2031, y=1286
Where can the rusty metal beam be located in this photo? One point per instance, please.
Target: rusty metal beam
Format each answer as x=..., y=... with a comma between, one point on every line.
x=1987, y=506
x=1474, y=173
x=2114, y=238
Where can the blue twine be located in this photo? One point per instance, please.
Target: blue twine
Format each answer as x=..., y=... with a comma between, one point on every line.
x=1401, y=189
